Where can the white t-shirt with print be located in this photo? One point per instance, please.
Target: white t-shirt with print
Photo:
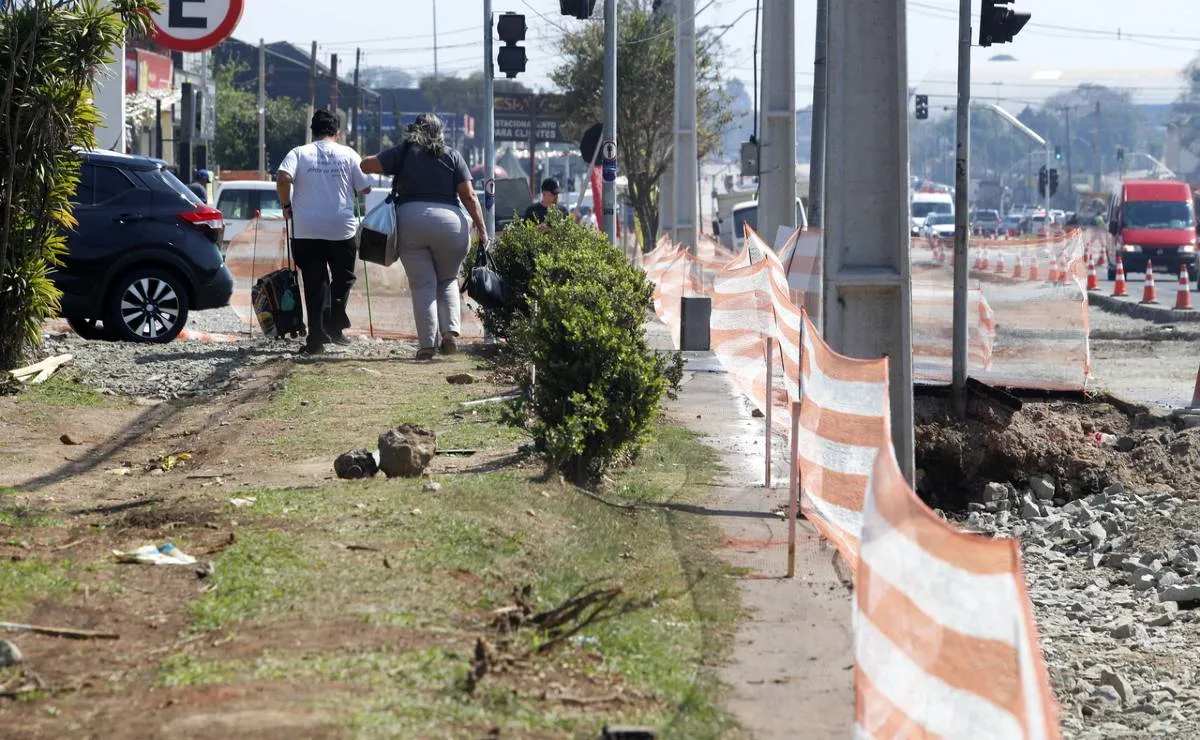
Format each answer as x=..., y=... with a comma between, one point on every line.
x=325, y=177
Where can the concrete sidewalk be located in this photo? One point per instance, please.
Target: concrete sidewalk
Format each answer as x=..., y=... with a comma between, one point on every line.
x=791, y=671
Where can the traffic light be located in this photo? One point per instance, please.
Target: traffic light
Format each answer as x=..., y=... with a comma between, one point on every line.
x=999, y=25
x=1120, y=154
x=1053, y=182
x=511, y=30
x=581, y=9
x=1043, y=180
x=1058, y=153
x=922, y=107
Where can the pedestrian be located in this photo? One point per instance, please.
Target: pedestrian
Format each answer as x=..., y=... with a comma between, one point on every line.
x=317, y=185
x=537, y=212
x=199, y=186
x=431, y=185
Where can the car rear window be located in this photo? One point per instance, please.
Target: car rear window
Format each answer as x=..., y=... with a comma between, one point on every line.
x=173, y=183
x=234, y=203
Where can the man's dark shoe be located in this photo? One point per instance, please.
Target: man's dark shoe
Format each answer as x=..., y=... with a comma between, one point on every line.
x=340, y=338
x=312, y=348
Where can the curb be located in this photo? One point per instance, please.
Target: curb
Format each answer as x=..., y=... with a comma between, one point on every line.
x=1157, y=314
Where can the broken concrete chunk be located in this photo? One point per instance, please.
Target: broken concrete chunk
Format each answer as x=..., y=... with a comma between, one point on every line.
x=995, y=492
x=1118, y=684
x=1042, y=487
x=462, y=379
x=10, y=654
x=1182, y=592
x=406, y=450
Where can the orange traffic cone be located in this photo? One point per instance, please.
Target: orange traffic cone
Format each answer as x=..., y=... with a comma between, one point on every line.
x=1149, y=294
x=1019, y=268
x=1093, y=282
x=1063, y=270
x=1103, y=261
x=1183, y=296
x=978, y=261
x=1120, y=290
x=1196, y=393
x=1000, y=263
x=985, y=264
x=1052, y=276
x=1034, y=270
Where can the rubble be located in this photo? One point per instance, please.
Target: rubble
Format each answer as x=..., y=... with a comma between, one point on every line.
x=1114, y=577
x=357, y=463
x=406, y=450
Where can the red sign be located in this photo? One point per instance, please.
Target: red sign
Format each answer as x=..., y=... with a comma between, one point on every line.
x=146, y=71
x=196, y=25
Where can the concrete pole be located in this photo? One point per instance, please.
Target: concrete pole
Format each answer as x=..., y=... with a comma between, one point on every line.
x=262, y=109
x=868, y=297
x=488, y=124
x=777, y=162
x=610, y=112
x=816, y=177
x=312, y=92
x=962, y=204
x=685, y=162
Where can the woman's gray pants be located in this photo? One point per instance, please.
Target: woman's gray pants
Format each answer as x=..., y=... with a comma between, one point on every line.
x=434, y=240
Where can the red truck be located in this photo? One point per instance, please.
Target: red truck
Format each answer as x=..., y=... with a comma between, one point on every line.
x=1153, y=220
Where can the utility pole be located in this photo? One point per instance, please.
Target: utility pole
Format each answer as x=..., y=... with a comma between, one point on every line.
x=262, y=109
x=333, y=84
x=962, y=205
x=353, y=138
x=684, y=160
x=312, y=91
x=816, y=172
x=435, y=46
x=1096, y=152
x=610, y=112
x=488, y=124
x=777, y=163
x=868, y=295
x=1070, y=179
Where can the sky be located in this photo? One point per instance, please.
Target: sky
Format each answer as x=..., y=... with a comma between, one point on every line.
x=1142, y=45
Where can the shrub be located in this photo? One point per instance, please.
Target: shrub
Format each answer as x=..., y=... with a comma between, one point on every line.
x=598, y=384
x=50, y=54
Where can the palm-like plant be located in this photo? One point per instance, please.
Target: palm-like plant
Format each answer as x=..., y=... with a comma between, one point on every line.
x=50, y=54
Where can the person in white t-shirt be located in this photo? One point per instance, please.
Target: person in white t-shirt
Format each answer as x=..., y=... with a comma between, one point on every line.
x=317, y=185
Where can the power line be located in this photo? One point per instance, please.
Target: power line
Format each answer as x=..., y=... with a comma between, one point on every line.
x=1049, y=29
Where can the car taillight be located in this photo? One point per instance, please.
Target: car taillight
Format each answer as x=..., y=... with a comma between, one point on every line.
x=205, y=218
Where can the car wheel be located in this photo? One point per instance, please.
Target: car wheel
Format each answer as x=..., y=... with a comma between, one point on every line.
x=89, y=328
x=148, y=306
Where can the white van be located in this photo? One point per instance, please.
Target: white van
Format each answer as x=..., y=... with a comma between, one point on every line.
x=746, y=214
x=924, y=204
x=240, y=200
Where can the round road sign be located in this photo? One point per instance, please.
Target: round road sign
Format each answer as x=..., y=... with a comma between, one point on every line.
x=608, y=150
x=196, y=25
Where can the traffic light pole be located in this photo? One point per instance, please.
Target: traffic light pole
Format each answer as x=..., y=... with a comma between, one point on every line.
x=962, y=216
x=610, y=111
x=684, y=160
x=488, y=124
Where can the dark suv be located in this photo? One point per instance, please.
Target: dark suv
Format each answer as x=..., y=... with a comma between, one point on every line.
x=145, y=252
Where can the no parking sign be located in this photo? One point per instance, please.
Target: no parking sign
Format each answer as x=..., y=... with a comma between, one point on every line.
x=196, y=25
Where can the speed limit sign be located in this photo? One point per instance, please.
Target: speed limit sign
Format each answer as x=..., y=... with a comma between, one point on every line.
x=196, y=25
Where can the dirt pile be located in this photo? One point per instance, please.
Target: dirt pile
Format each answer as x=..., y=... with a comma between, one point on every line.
x=1083, y=446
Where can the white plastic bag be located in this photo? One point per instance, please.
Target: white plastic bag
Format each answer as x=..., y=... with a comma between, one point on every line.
x=378, y=240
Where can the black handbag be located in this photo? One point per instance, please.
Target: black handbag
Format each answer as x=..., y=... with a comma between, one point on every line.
x=485, y=286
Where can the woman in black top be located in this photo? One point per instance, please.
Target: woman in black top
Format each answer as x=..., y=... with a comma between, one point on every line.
x=432, y=185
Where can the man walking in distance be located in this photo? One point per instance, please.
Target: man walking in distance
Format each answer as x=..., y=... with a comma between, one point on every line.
x=538, y=211
x=317, y=185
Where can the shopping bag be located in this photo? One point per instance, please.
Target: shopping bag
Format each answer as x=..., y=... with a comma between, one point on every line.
x=378, y=237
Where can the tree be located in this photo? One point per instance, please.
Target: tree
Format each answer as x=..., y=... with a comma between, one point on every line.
x=50, y=54
x=462, y=94
x=1120, y=124
x=1187, y=109
x=236, y=143
x=645, y=98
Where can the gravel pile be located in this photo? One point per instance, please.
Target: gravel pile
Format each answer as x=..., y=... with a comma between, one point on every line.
x=1115, y=582
x=186, y=368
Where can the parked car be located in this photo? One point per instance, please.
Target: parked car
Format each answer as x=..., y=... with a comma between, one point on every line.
x=144, y=252
x=938, y=228
x=924, y=204
x=240, y=201
x=746, y=214
x=986, y=222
